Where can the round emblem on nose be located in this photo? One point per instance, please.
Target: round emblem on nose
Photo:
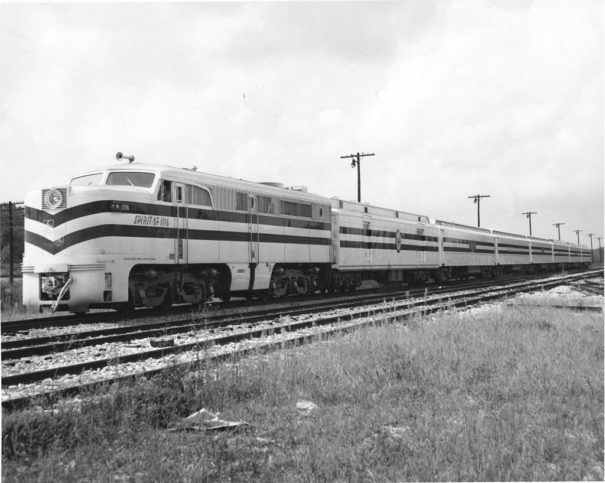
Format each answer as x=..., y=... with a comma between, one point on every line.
x=398, y=241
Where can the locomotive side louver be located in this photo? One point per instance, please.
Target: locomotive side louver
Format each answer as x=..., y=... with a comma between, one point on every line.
x=55, y=198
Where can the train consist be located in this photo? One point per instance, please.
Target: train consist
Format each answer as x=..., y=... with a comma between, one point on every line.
x=148, y=235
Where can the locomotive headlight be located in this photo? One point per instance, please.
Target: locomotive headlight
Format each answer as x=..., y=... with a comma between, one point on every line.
x=53, y=199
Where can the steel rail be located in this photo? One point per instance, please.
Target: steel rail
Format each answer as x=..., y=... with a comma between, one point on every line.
x=14, y=326
x=51, y=344
x=449, y=300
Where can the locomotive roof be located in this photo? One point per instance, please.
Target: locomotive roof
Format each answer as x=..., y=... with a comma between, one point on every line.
x=186, y=175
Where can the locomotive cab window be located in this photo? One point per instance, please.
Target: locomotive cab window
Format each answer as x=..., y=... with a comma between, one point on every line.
x=87, y=180
x=130, y=178
x=164, y=193
x=179, y=194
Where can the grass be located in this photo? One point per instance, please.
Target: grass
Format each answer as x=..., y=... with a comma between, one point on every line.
x=511, y=395
x=11, y=300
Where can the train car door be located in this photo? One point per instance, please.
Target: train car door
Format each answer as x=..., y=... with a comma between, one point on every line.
x=421, y=253
x=181, y=245
x=366, y=242
x=253, y=235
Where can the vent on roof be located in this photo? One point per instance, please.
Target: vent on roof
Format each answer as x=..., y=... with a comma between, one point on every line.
x=273, y=184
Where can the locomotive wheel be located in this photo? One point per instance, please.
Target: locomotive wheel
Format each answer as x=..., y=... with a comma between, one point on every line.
x=167, y=302
x=203, y=297
x=302, y=286
x=281, y=287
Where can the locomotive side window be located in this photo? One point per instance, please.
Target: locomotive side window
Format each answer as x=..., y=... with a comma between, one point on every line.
x=198, y=196
x=164, y=194
x=265, y=204
x=88, y=180
x=296, y=209
x=130, y=178
x=179, y=194
x=241, y=201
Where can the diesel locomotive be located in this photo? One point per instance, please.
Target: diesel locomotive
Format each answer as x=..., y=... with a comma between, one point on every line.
x=151, y=235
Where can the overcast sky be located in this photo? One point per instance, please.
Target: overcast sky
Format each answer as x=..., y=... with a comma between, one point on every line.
x=455, y=98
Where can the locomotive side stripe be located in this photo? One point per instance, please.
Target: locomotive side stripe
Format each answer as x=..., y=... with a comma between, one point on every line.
x=467, y=250
x=104, y=207
x=459, y=241
x=509, y=245
x=386, y=246
x=349, y=230
x=101, y=231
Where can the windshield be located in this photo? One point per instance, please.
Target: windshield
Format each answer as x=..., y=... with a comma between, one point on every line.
x=131, y=178
x=87, y=180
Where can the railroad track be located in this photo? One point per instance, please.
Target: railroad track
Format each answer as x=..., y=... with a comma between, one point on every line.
x=35, y=346
x=16, y=326
x=285, y=327
x=590, y=287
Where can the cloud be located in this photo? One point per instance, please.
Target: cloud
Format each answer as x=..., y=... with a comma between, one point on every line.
x=368, y=32
x=453, y=97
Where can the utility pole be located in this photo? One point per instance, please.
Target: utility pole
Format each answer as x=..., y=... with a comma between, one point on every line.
x=529, y=213
x=590, y=236
x=478, y=202
x=558, y=225
x=11, y=243
x=356, y=161
x=577, y=232
x=600, y=256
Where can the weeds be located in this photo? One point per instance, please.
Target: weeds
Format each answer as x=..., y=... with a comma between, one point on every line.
x=516, y=395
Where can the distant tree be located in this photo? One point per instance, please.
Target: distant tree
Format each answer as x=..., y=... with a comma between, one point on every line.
x=5, y=239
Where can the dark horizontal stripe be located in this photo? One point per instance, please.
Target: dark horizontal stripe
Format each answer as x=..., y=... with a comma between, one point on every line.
x=104, y=206
x=467, y=250
x=349, y=230
x=507, y=252
x=508, y=245
x=459, y=241
x=386, y=246
x=101, y=231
